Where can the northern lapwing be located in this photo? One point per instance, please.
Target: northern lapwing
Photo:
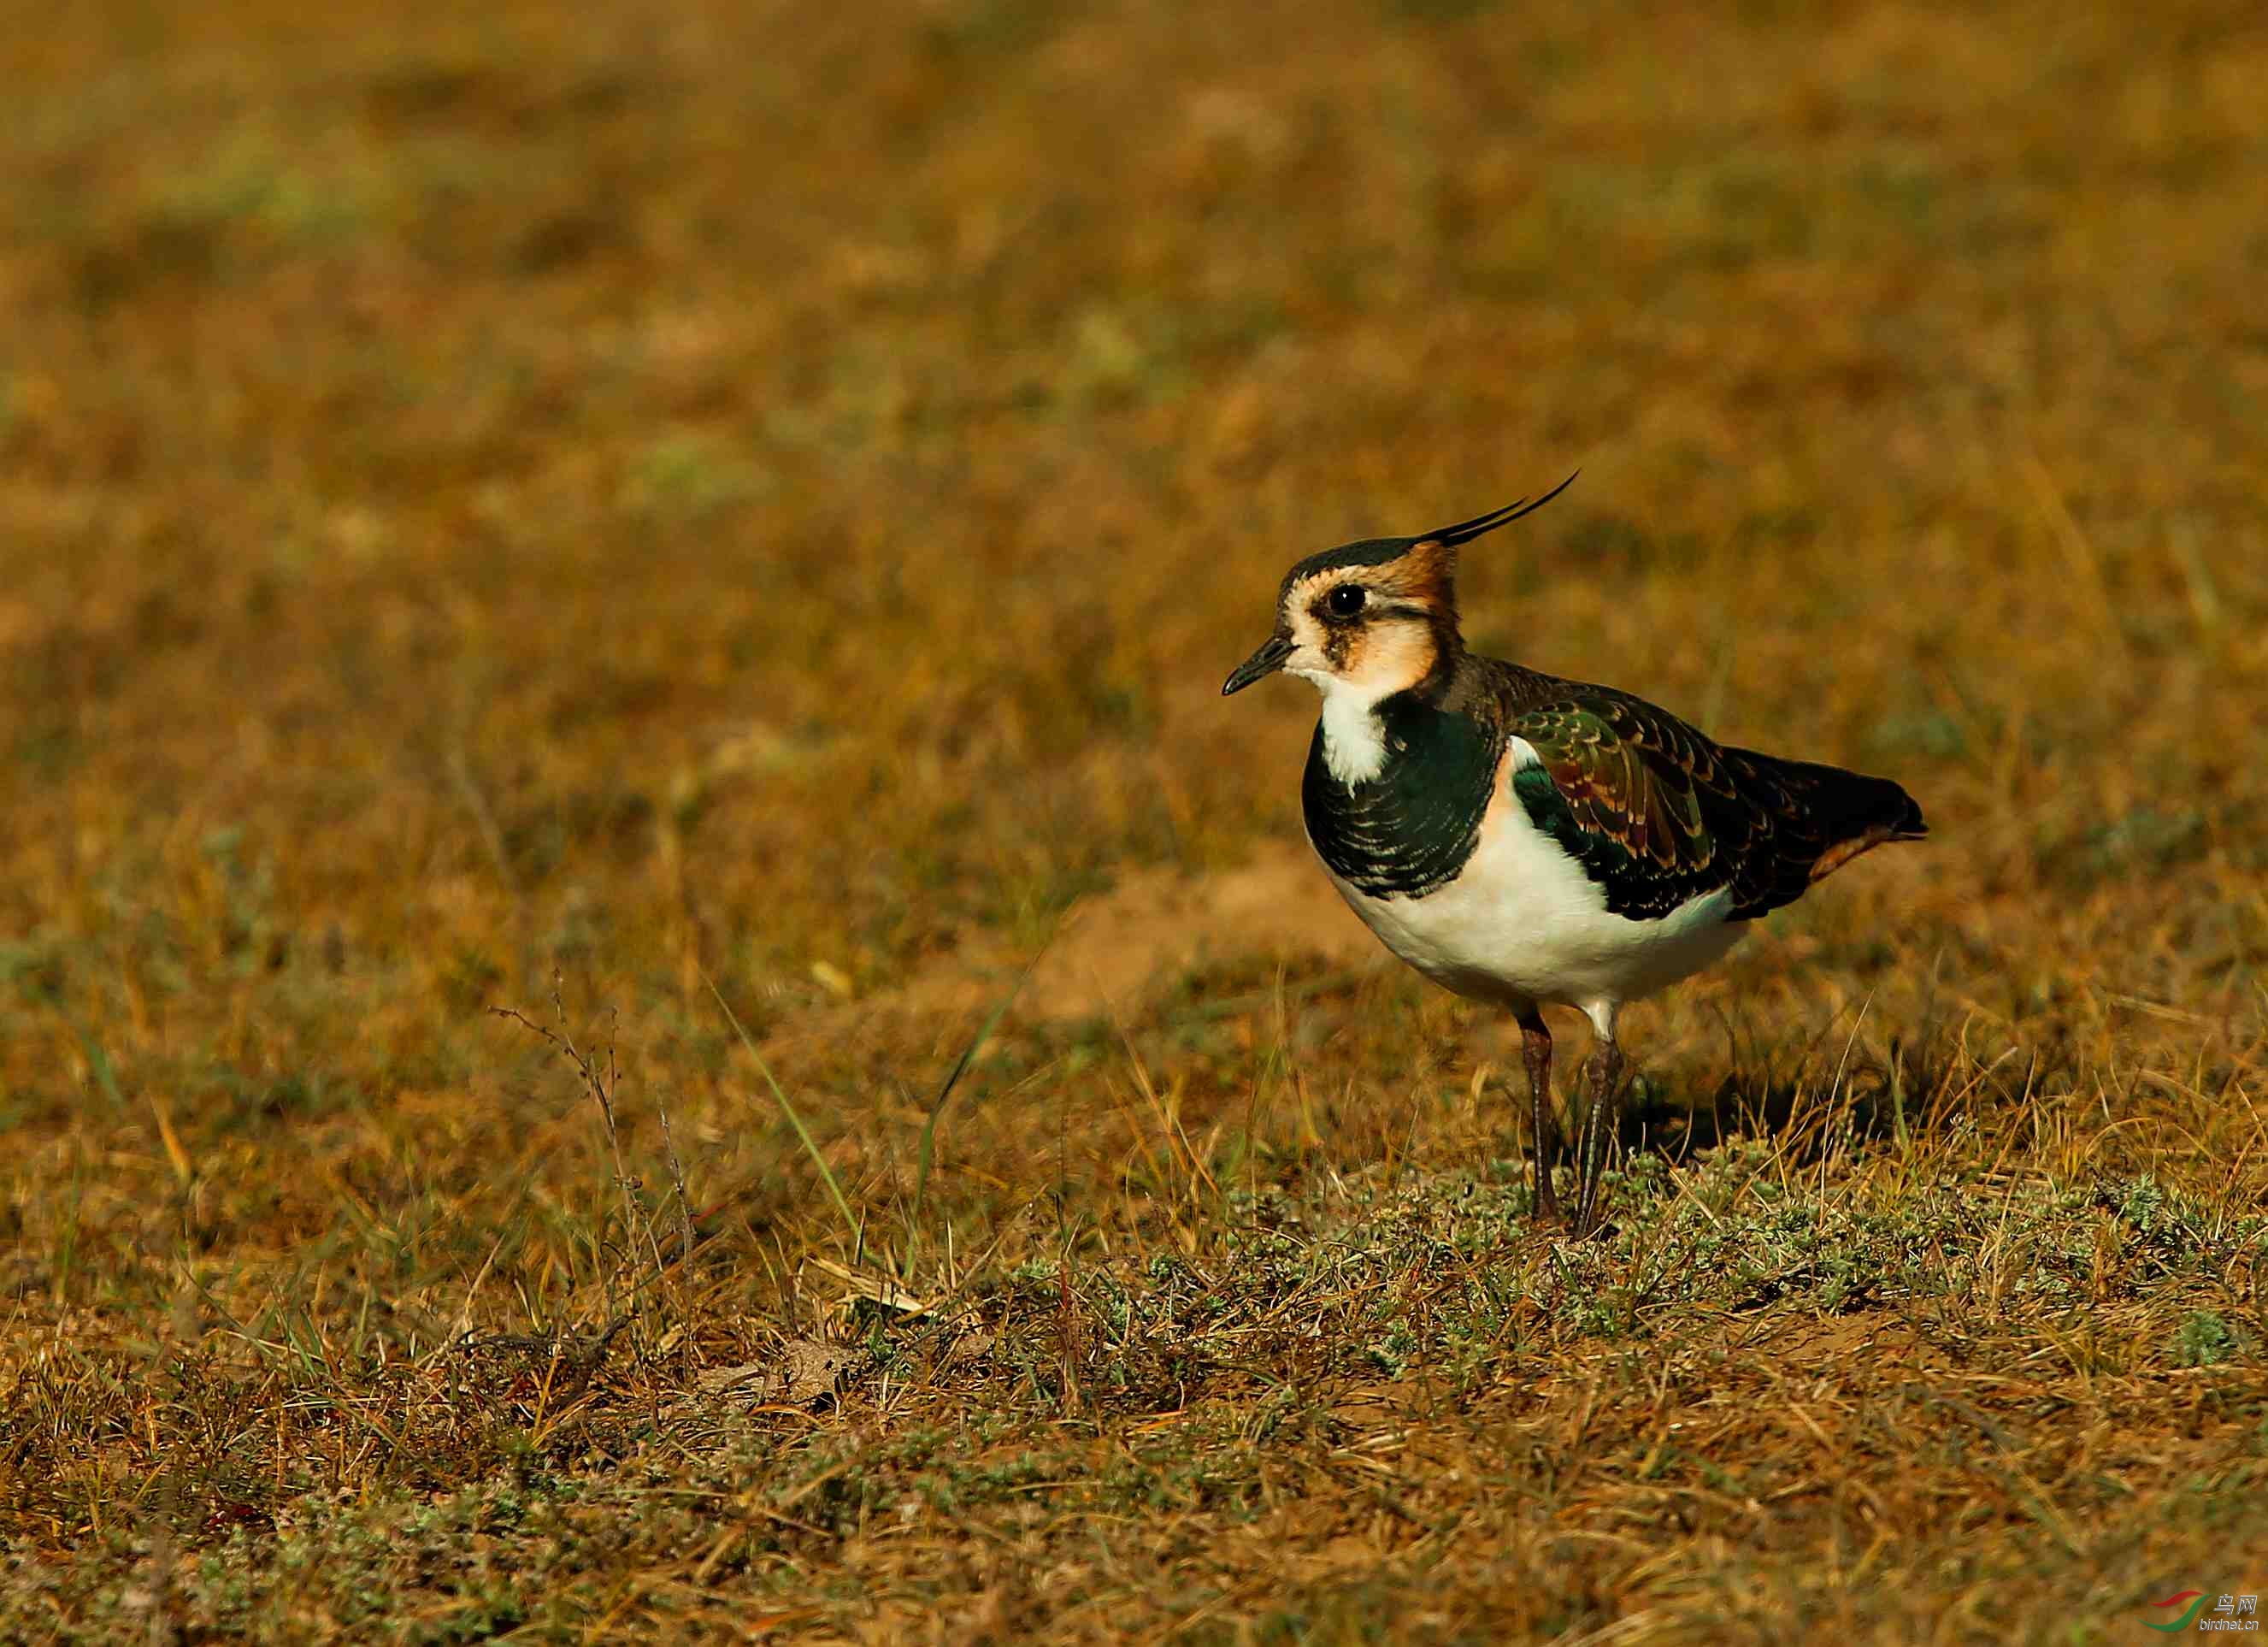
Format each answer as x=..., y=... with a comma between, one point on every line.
x=1524, y=839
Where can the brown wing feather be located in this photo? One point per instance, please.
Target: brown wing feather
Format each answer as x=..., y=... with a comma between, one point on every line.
x=1658, y=814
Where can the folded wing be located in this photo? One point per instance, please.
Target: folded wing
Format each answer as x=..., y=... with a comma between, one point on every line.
x=1658, y=814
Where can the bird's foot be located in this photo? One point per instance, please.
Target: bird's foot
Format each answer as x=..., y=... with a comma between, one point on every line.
x=1546, y=1211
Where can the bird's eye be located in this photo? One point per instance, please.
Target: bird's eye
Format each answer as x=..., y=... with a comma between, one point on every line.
x=1346, y=599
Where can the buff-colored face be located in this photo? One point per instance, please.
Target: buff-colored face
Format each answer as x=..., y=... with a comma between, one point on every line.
x=1368, y=627
x=1367, y=619
x=1373, y=627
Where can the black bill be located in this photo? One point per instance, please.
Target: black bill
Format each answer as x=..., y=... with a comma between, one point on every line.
x=1264, y=662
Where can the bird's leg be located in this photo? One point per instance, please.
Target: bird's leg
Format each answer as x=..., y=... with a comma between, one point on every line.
x=1598, y=1126
x=1543, y=1114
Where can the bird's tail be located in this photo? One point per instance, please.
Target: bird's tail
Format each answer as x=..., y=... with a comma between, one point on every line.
x=1846, y=812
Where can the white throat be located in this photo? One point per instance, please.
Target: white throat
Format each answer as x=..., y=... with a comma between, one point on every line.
x=1354, y=740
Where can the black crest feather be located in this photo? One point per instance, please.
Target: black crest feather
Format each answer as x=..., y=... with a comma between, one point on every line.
x=1465, y=531
x=1377, y=551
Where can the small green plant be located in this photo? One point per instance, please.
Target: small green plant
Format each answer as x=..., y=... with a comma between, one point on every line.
x=2206, y=1339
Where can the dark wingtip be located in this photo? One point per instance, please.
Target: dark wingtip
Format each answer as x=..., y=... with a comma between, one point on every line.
x=1465, y=531
x=1904, y=820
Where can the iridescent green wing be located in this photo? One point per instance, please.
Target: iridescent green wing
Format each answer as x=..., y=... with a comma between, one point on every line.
x=1657, y=814
x=1646, y=805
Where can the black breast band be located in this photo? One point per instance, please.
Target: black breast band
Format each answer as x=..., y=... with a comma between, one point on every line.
x=1411, y=828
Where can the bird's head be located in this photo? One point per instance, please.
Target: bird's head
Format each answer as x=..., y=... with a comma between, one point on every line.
x=1374, y=617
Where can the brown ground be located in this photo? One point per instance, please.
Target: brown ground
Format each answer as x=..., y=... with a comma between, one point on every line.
x=1117, y=951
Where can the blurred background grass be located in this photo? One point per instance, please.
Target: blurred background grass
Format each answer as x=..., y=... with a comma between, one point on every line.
x=771, y=493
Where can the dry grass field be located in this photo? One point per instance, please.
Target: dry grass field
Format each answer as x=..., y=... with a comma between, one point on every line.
x=720, y=528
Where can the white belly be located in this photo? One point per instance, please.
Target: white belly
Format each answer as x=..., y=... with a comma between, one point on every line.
x=1523, y=923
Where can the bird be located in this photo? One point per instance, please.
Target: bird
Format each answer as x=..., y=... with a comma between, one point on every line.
x=1525, y=840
